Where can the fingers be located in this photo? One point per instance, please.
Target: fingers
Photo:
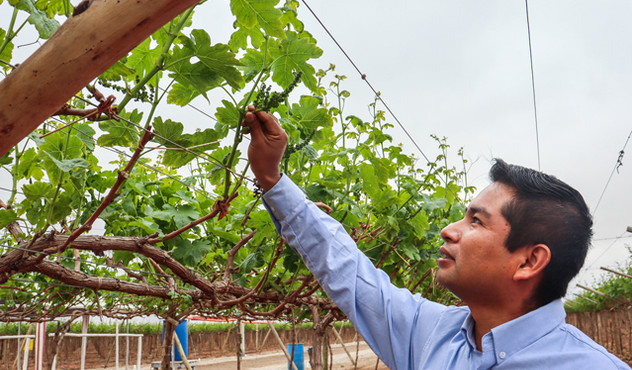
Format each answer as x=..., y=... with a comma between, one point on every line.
x=250, y=121
x=259, y=120
x=269, y=123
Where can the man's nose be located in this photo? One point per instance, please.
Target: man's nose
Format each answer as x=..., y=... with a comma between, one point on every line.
x=450, y=233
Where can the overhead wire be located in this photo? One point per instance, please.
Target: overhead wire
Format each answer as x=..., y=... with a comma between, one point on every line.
x=535, y=106
x=366, y=80
x=617, y=164
x=588, y=267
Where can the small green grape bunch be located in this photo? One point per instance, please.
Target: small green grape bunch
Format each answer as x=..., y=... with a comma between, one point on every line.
x=266, y=100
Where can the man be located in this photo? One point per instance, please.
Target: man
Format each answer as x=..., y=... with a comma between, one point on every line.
x=509, y=259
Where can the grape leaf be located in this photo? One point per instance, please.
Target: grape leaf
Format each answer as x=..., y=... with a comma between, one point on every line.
x=215, y=64
x=120, y=133
x=7, y=216
x=44, y=25
x=309, y=115
x=291, y=54
x=54, y=7
x=262, y=13
x=142, y=59
x=190, y=252
x=7, y=51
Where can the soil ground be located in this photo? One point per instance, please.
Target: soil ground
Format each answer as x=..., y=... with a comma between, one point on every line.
x=276, y=360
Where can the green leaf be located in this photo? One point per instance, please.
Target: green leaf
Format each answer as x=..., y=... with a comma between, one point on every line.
x=167, y=131
x=38, y=190
x=181, y=94
x=189, y=252
x=260, y=14
x=54, y=150
x=55, y=7
x=67, y=165
x=251, y=262
x=44, y=25
x=170, y=135
x=147, y=225
x=6, y=159
x=215, y=64
x=310, y=152
x=185, y=215
x=253, y=63
x=6, y=53
x=121, y=133
x=142, y=59
x=7, y=216
x=85, y=132
x=239, y=39
x=29, y=165
x=61, y=208
x=309, y=115
x=117, y=72
x=290, y=55
x=228, y=115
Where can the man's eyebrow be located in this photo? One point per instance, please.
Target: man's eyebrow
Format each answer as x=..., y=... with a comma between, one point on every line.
x=478, y=210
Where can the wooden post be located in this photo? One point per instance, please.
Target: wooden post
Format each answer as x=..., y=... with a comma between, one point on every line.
x=183, y=355
x=80, y=50
x=282, y=345
x=333, y=328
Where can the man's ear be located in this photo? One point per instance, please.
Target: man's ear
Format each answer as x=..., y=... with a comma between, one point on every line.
x=533, y=261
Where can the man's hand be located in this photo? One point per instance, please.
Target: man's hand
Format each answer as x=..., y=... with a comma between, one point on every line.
x=267, y=144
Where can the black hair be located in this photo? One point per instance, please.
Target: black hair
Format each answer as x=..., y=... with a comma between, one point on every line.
x=547, y=211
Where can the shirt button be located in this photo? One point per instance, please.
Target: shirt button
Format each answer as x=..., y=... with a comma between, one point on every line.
x=502, y=355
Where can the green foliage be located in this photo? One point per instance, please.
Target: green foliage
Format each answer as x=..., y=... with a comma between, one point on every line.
x=43, y=22
x=615, y=290
x=392, y=204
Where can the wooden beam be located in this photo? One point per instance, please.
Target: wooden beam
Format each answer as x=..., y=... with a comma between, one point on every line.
x=594, y=291
x=617, y=272
x=85, y=46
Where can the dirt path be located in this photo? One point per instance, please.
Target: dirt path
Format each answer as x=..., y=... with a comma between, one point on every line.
x=276, y=360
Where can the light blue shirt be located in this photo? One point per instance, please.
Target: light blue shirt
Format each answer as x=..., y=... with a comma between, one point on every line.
x=409, y=332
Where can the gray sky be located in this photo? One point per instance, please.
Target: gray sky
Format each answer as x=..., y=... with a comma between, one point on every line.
x=460, y=69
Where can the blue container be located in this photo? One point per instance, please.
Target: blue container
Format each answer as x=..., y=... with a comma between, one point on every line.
x=182, y=332
x=298, y=356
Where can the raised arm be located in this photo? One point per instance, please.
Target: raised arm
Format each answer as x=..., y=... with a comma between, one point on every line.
x=387, y=317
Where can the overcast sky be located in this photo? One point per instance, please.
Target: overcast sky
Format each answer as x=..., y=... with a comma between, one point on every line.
x=460, y=69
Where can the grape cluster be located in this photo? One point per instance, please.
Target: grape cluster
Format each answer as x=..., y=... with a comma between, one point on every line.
x=266, y=100
x=144, y=95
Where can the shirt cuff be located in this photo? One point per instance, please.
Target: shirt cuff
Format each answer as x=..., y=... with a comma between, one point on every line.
x=283, y=200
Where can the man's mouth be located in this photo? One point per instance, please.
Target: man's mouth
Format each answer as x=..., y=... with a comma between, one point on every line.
x=445, y=253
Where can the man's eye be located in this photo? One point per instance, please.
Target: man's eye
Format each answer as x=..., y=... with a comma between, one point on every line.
x=476, y=220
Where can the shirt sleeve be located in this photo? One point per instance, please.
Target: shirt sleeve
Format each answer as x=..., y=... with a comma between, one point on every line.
x=387, y=317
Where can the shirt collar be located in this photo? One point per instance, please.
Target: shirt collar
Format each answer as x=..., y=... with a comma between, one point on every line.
x=518, y=333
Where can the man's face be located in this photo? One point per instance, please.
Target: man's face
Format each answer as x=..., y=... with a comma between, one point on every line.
x=476, y=265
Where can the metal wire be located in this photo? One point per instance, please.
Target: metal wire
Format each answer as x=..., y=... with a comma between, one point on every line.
x=535, y=107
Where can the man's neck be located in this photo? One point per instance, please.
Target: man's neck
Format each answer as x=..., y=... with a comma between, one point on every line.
x=487, y=317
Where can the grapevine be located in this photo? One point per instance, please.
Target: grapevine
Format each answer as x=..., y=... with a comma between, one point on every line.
x=266, y=101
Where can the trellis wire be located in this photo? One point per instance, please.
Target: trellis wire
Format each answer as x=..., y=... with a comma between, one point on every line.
x=535, y=107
